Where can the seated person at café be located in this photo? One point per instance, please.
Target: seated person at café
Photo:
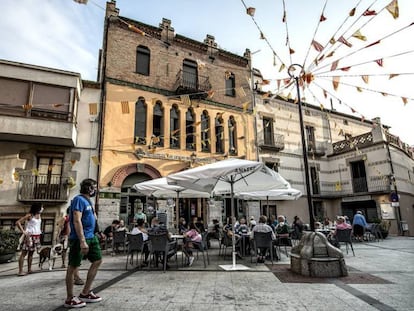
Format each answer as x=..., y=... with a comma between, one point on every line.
x=243, y=231
x=182, y=226
x=158, y=228
x=282, y=231
x=121, y=226
x=215, y=233
x=199, y=224
x=140, y=229
x=228, y=231
x=192, y=235
x=340, y=225
x=262, y=226
x=109, y=231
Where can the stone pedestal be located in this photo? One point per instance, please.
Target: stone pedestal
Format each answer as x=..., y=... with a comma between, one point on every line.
x=315, y=256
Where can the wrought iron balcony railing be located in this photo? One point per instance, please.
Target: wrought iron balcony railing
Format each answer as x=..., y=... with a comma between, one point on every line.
x=271, y=142
x=187, y=83
x=374, y=184
x=43, y=188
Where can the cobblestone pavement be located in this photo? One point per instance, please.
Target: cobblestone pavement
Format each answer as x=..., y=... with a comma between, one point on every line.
x=197, y=288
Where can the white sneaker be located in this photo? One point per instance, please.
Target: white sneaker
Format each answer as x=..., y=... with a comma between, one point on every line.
x=190, y=261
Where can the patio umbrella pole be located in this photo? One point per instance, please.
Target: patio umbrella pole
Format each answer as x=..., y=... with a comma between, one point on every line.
x=267, y=206
x=233, y=222
x=177, y=209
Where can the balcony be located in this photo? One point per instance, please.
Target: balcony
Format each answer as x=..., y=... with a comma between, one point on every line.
x=38, y=126
x=189, y=83
x=352, y=143
x=342, y=188
x=43, y=188
x=317, y=149
x=273, y=142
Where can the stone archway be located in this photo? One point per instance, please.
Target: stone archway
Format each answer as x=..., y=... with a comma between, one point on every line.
x=129, y=169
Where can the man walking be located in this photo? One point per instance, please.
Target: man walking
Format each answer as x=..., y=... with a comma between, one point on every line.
x=83, y=244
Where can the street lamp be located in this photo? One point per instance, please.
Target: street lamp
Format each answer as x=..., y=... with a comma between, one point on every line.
x=295, y=71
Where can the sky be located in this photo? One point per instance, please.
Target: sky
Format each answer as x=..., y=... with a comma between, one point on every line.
x=64, y=34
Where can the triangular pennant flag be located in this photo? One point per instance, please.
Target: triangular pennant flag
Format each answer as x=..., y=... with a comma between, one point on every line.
x=393, y=9
x=332, y=40
x=404, y=99
x=359, y=89
x=265, y=82
x=284, y=17
x=352, y=109
x=210, y=94
x=344, y=41
x=384, y=94
x=72, y=162
x=322, y=107
x=373, y=43
x=282, y=67
x=27, y=107
x=365, y=78
x=379, y=62
x=262, y=36
x=201, y=64
x=357, y=34
x=16, y=176
x=185, y=99
x=286, y=81
x=393, y=75
x=352, y=12
x=250, y=11
x=240, y=92
x=345, y=68
x=291, y=51
x=335, y=82
x=125, y=107
x=175, y=131
x=317, y=46
x=245, y=106
x=330, y=54
x=95, y=160
x=81, y=1
x=369, y=13
x=35, y=172
x=57, y=105
x=135, y=29
x=322, y=19
x=325, y=94
x=334, y=65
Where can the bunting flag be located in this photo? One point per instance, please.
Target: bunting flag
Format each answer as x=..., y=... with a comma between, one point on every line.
x=125, y=107
x=197, y=123
x=322, y=107
x=274, y=60
x=393, y=9
x=27, y=107
x=57, y=105
x=282, y=67
x=185, y=99
x=359, y=89
x=81, y=1
x=373, y=43
x=379, y=62
x=332, y=40
x=245, y=106
x=286, y=81
x=352, y=12
x=322, y=18
x=344, y=41
x=365, y=78
x=175, y=131
x=335, y=82
x=369, y=13
x=266, y=95
x=317, y=46
x=334, y=65
x=200, y=64
x=16, y=176
x=291, y=51
x=227, y=74
x=240, y=92
x=278, y=83
x=95, y=160
x=135, y=29
x=262, y=36
x=345, y=68
x=384, y=94
x=393, y=75
x=210, y=94
x=250, y=11
x=330, y=54
x=284, y=17
x=35, y=172
x=325, y=94
x=357, y=34
x=72, y=162
x=93, y=109
x=265, y=82
x=404, y=99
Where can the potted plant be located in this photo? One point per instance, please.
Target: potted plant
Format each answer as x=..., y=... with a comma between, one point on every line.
x=9, y=240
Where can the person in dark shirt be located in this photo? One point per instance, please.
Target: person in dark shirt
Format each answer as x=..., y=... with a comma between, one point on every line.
x=158, y=228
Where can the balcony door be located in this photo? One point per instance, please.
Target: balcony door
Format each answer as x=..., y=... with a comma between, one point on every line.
x=359, y=177
x=190, y=75
x=48, y=178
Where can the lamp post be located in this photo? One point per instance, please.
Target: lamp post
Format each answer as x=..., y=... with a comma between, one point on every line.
x=292, y=71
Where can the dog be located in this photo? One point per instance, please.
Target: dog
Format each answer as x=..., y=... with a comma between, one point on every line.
x=48, y=254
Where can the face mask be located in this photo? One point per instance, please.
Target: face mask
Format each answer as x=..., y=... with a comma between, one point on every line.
x=92, y=191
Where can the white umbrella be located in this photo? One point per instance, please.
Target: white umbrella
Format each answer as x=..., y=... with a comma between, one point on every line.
x=273, y=194
x=159, y=188
x=229, y=176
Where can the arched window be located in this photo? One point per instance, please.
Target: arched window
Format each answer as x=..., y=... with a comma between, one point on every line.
x=140, y=129
x=219, y=132
x=230, y=84
x=143, y=60
x=174, y=127
x=232, y=136
x=205, y=131
x=158, y=125
x=190, y=130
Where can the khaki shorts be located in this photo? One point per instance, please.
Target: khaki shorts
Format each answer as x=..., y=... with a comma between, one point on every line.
x=75, y=255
